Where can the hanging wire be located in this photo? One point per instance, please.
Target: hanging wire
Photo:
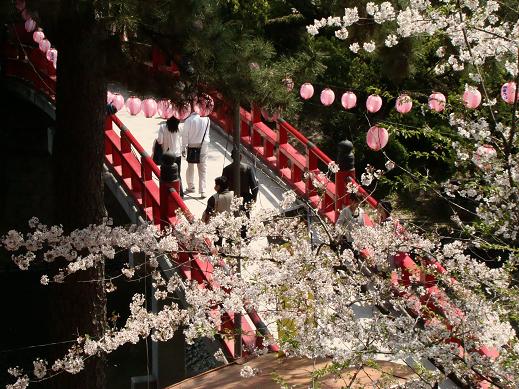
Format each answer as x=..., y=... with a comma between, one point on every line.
x=38, y=346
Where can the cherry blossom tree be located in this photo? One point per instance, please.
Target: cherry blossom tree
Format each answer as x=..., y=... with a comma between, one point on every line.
x=311, y=293
x=478, y=37
x=426, y=299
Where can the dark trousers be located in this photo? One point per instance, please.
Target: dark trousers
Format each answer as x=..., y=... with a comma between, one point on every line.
x=178, y=161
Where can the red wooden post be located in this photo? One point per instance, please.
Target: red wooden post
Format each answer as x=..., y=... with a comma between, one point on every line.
x=255, y=117
x=168, y=206
x=126, y=149
x=282, y=140
x=244, y=124
x=146, y=174
x=255, y=114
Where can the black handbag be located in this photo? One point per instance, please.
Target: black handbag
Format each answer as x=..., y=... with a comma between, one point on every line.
x=157, y=154
x=193, y=153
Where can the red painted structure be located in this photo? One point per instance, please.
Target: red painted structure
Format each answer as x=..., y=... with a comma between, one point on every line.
x=283, y=149
x=138, y=175
x=292, y=156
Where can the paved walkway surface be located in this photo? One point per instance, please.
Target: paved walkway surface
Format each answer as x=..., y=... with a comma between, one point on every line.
x=145, y=131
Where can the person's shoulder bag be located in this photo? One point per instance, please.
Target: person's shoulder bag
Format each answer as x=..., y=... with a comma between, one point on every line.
x=158, y=152
x=193, y=153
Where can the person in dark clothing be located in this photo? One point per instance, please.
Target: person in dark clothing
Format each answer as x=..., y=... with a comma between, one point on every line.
x=248, y=182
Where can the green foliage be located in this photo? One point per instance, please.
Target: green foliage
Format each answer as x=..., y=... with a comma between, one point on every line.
x=249, y=12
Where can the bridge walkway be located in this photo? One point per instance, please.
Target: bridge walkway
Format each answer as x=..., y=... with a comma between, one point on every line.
x=145, y=130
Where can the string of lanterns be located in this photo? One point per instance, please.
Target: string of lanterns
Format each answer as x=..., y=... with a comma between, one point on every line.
x=164, y=108
x=377, y=137
x=37, y=34
x=437, y=101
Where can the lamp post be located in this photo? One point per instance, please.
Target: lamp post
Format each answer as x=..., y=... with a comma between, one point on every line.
x=236, y=187
x=346, y=160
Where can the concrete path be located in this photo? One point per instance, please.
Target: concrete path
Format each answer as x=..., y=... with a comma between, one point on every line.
x=145, y=131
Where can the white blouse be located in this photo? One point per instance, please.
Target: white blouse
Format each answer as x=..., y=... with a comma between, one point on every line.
x=170, y=141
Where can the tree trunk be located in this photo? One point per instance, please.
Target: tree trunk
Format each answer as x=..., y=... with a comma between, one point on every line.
x=78, y=160
x=80, y=113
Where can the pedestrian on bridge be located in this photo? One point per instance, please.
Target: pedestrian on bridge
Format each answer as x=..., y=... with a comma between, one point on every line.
x=196, y=139
x=219, y=202
x=248, y=182
x=351, y=217
x=170, y=138
x=384, y=209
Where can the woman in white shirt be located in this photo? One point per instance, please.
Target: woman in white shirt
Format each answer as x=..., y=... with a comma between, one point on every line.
x=170, y=138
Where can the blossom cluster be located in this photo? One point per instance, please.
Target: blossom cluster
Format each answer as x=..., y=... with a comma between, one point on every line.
x=474, y=29
x=319, y=301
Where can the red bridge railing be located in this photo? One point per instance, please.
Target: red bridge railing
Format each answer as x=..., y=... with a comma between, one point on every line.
x=286, y=151
x=140, y=177
x=297, y=160
x=283, y=148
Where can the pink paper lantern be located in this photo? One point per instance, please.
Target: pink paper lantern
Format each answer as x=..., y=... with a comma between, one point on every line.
x=509, y=92
x=30, y=25
x=327, y=97
x=181, y=111
x=437, y=101
x=306, y=91
x=377, y=138
x=486, y=151
x=483, y=156
x=44, y=45
x=373, y=103
x=204, y=105
x=268, y=116
x=38, y=36
x=349, y=100
x=118, y=101
x=164, y=109
x=149, y=107
x=403, y=104
x=133, y=105
x=52, y=55
x=109, y=97
x=472, y=98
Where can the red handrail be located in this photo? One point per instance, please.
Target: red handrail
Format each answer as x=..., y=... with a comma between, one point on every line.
x=300, y=137
x=135, y=174
x=140, y=183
